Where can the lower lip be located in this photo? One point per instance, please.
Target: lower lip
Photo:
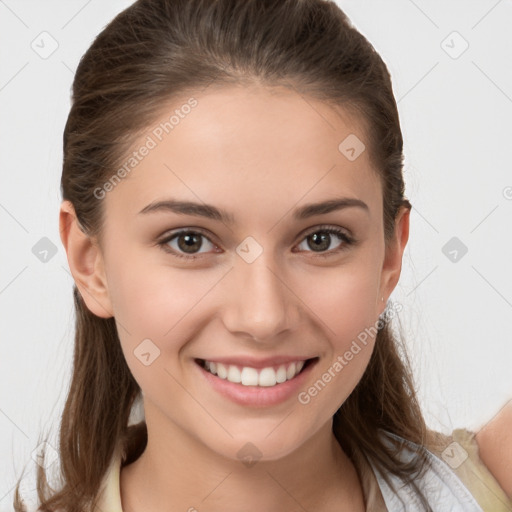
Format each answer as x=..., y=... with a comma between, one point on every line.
x=258, y=396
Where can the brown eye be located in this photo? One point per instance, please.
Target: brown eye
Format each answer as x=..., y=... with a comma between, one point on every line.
x=187, y=244
x=320, y=241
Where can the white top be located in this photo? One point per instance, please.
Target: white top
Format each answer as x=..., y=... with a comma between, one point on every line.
x=442, y=488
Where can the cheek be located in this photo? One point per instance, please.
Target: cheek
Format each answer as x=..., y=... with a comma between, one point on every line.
x=334, y=383
x=158, y=310
x=349, y=322
x=150, y=299
x=345, y=310
x=153, y=307
x=342, y=300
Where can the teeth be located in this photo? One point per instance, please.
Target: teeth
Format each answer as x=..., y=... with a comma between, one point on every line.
x=222, y=371
x=249, y=376
x=267, y=377
x=290, y=372
x=234, y=374
x=281, y=374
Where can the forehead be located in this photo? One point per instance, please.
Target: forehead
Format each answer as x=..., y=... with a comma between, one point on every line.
x=249, y=148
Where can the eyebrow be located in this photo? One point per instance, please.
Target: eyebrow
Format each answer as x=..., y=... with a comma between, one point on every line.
x=212, y=212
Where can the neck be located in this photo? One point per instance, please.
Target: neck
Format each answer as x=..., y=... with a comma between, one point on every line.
x=178, y=472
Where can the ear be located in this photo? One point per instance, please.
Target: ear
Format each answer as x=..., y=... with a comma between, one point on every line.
x=392, y=265
x=85, y=262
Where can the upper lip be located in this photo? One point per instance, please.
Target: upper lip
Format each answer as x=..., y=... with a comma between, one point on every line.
x=254, y=362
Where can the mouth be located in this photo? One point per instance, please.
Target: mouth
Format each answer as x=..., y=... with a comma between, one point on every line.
x=271, y=376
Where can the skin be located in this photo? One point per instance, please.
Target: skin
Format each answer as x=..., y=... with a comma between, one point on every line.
x=258, y=153
x=495, y=447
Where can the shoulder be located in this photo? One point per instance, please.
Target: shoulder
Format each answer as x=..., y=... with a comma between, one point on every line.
x=454, y=479
x=495, y=447
x=461, y=453
x=436, y=484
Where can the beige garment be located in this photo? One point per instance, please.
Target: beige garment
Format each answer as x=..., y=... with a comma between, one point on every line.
x=472, y=472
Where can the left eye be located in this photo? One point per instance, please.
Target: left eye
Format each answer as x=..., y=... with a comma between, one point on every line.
x=320, y=237
x=189, y=242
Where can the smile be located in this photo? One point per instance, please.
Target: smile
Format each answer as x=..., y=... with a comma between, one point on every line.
x=248, y=376
x=257, y=387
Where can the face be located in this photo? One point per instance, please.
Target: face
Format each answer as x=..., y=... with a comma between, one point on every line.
x=262, y=286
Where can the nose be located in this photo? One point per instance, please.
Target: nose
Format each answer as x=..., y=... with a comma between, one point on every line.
x=259, y=303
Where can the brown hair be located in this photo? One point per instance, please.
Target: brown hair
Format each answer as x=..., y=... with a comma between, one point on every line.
x=148, y=54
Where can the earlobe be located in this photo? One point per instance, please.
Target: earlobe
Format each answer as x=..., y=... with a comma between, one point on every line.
x=85, y=262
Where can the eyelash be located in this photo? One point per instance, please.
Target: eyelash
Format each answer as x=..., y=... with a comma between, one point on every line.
x=348, y=241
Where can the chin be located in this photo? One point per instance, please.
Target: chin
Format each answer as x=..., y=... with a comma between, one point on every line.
x=260, y=447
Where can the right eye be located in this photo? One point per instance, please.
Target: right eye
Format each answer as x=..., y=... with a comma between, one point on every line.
x=186, y=240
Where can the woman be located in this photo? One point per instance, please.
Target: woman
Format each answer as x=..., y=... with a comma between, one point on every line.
x=234, y=218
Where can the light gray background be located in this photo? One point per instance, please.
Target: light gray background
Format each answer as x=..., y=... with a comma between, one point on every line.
x=455, y=112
